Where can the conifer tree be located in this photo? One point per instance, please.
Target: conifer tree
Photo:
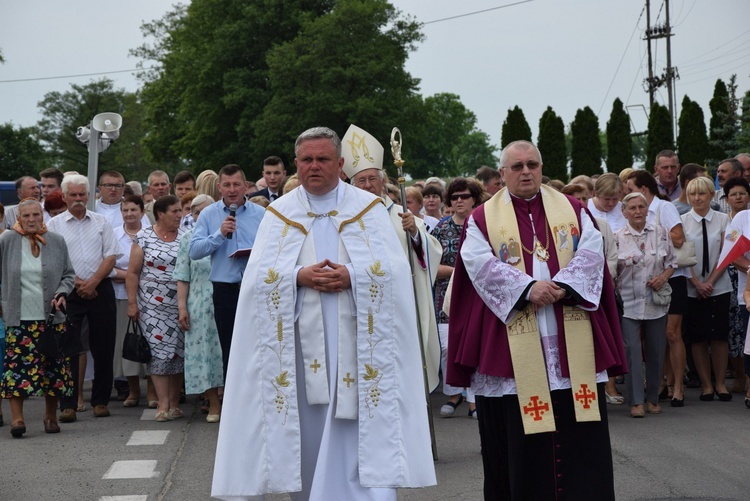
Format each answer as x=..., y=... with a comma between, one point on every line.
x=515, y=127
x=692, y=142
x=659, y=133
x=619, y=142
x=586, y=147
x=551, y=144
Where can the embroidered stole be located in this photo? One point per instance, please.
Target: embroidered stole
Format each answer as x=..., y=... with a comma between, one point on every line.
x=525, y=344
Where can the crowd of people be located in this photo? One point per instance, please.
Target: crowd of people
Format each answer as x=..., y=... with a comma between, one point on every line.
x=622, y=258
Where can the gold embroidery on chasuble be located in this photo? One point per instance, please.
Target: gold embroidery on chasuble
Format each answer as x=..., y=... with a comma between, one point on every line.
x=272, y=300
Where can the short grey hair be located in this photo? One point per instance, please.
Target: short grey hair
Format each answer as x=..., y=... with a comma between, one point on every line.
x=524, y=145
x=742, y=155
x=201, y=199
x=631, y=196
x=435, y=180
x=29, y=201
x=75, y=180
x=319, y=133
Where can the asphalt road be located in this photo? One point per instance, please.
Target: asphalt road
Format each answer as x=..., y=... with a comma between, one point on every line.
x=698, y=452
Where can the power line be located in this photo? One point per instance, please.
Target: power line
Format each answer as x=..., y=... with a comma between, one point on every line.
x=621, y=60
x=476, y=12
x=75, y=76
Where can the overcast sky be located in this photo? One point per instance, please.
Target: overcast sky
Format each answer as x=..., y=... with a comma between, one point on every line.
x=561, y=53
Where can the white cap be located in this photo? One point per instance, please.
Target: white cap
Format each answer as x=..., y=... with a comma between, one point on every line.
x=361, y=151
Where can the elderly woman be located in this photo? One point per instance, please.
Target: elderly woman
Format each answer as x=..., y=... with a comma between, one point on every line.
x=737, y=190
x=36, y=276
x=204, y=371
x=709, y=290
x=606, y=201
x=152, y=300
x=645, y=262
x=463, y=196
x=132, y=210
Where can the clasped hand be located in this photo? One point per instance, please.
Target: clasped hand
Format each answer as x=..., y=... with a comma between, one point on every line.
x=325, y=276
x=544, y=293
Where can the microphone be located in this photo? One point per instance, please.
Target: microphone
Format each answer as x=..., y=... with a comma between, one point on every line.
x=232, y=212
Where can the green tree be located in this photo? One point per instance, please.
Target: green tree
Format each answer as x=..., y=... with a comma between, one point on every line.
x=20, y=152
x=447, y=142
x=692, y=142
x=743, y=138
x=515, y=127
x=619, y=142
x=659, y=133
x=206, y=101
x=723, y=126
x=335, y=77
x=551, y=144
x=586, y=147
x=64, y=112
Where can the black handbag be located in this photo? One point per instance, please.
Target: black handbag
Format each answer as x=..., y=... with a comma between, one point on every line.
x=135, y=346
x=54, y=344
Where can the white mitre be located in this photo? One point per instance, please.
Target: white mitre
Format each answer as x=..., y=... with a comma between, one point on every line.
x=361, y=151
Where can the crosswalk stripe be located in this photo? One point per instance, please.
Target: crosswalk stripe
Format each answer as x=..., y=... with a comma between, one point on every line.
x=132, y=469
x=148, y=437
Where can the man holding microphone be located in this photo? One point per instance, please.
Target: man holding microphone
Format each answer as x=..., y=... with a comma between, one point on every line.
x=226, y=232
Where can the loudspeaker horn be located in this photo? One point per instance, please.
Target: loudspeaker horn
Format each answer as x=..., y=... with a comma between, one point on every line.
x=107, y=122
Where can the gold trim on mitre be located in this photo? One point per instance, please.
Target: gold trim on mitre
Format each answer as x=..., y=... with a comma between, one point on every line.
x=361, y=151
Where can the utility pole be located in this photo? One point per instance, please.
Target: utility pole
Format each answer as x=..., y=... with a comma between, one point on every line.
x=670, y=74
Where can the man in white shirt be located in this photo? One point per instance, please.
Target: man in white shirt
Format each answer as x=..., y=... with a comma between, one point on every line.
x=158, y=186
x=111, y=188
x=93, y=250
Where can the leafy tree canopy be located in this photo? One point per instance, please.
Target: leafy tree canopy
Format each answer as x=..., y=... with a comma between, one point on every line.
x=64, y=112
x=20, y=152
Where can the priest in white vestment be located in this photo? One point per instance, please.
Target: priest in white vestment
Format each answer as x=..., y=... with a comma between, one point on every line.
x=363, y=164
x=324, y=397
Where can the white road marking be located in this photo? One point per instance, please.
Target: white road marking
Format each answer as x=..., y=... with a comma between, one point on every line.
x=124, y=498
x=149, y=437
x=148, y=414
x=132, y=469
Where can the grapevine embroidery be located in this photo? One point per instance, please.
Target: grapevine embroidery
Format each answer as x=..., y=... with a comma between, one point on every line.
x=372, y=373
x=273, y=299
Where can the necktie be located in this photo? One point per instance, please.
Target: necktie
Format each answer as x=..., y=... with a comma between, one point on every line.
x=706, y=267
x=273, y=196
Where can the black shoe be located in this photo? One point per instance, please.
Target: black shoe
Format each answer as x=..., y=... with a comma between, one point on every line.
x=664, y=395
x=678, y=402
x=724, y=397
x=1, y=420
x=747, y=402
x=18, y=430
x=707, y=397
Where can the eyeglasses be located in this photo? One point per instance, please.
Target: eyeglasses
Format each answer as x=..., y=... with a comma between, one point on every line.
x=518, y=167
x=364, y=180
x=111, y=186
x=462, y=196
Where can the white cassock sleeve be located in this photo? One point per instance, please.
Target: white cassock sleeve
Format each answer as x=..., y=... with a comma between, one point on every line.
x=500, y=285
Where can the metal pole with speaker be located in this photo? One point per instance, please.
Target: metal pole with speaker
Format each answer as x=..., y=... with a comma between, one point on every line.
x=104, y=129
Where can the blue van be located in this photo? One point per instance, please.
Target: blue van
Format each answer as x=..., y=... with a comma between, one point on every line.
x=8, y=193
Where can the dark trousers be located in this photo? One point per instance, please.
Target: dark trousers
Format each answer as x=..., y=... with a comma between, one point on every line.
x=225, y=308
x=572, y=463
x=102, y=317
